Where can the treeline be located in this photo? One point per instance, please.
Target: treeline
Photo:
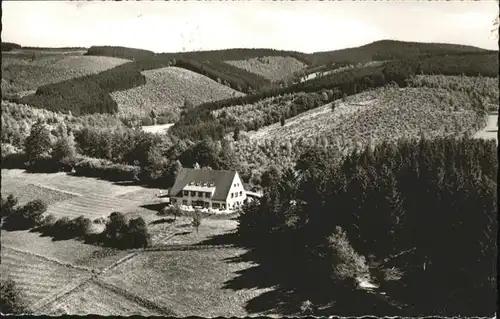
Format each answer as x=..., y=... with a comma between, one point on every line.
x=114, y=154
x=9, y=46
x=418, y=218
x=199, y=121
x=119, y=52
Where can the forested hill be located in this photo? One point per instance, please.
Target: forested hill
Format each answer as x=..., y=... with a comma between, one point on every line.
x=375, y=51
x=389, y=50
x=210, y=55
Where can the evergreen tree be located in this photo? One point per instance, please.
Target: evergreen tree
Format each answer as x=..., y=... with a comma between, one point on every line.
x=38, y=144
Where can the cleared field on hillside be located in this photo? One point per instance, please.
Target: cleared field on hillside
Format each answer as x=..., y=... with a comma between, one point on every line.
x=383, y=114
x=273, y=68
x=93, y=299
x=21, y=74
x=189, y=283
x=37, y=278
x=167, y=88
x=69, y=251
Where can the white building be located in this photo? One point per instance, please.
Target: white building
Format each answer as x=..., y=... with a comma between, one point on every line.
x=205, y=188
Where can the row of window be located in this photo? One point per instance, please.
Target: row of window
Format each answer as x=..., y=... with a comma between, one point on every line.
x=193, y=194
x=235, y=194
x=207, y=204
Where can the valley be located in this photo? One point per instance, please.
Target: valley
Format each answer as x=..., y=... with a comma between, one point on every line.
x=400, y=135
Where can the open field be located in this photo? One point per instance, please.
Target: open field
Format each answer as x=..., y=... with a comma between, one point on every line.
x=167, y=88
x=379, y=115
x=189, y=283
x=21, y=74
x=71, y=251
x=273, y=68
x=36, y=277
x=94, y=299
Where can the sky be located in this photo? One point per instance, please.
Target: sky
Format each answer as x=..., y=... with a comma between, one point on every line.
x=306, y=26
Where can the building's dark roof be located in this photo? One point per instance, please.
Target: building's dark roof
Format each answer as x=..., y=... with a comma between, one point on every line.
x=221, y=179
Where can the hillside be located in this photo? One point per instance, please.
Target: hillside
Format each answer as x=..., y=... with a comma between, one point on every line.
x=273, y=68
x=90, y=94
x=166, y=89
x=388, y=50
x=26, y=71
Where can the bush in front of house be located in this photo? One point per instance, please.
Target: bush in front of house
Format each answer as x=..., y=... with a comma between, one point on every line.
x=25, y=217
x=102, y=168
x=122, y=233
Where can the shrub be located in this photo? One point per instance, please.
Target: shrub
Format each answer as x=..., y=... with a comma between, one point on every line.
x=137, y=235
x=80, y=226
x=122, y=234
x=47, y=224
x=146, y=121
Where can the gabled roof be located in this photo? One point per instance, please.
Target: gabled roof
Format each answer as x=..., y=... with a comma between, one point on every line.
x=221, y=179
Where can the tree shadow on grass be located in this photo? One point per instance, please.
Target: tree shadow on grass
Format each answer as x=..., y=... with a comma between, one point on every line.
x=154, y=207
x=162, y=221
x=288, y=287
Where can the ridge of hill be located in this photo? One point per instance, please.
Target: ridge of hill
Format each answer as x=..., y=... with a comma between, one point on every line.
x=90, y=94
x=200, y=122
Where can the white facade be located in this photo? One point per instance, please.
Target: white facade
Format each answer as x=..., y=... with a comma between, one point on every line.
x=200, y=195
x=237, y=195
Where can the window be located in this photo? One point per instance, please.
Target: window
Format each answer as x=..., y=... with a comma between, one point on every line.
x=232, y=195
x=174, y=200
x=207, y=195
x=184, y=202
x=215, y=205
x=241, y=193
x=200, y=194
x=193, y=194
x=186, y=193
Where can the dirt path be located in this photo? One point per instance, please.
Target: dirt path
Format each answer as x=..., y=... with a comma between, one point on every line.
x=490, y=132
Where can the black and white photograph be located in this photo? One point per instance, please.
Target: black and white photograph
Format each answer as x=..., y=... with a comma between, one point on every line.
x=249, y=158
